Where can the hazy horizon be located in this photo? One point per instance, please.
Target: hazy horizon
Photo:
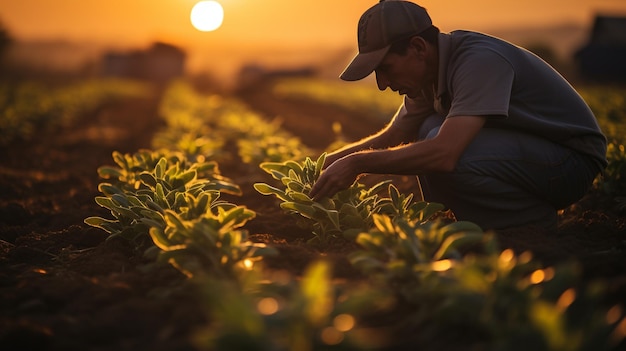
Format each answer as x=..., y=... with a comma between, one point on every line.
x=66, y=54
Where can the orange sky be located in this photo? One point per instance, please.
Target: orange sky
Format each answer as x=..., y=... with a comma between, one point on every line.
x=252, y=26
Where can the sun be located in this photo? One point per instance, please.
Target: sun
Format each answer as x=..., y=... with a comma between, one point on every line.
x=207, y=16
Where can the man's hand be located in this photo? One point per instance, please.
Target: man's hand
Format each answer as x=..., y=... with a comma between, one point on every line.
x=337, y=176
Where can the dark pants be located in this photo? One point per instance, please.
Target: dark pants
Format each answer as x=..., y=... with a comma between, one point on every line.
x=508, y=179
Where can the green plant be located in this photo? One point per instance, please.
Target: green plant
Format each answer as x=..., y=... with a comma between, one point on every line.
x=191, y=228
x=146, y=168
x=613, y=181
x=396, y=249
x=269, y=148
x=499, y=300
x=281, y=312
x=344, y=215
x=211, y=243
x=608, y=104
x=517, y=304
x=138, y=195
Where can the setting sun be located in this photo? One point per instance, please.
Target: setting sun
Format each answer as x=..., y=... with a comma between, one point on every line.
x=207, y=16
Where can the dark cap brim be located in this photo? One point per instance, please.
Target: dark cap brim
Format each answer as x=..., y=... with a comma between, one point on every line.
x=363, y=64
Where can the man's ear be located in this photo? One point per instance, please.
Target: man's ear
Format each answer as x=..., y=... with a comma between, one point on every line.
x=418, y=44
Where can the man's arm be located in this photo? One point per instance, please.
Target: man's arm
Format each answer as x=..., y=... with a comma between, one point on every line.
x=400, y=130
x=439, y=154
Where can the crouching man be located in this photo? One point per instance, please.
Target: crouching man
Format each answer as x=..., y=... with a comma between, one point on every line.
x=491, y=130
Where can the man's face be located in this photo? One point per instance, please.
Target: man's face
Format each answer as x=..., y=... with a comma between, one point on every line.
x=408, y=74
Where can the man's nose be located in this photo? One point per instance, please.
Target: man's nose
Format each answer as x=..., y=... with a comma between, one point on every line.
x=381, y=81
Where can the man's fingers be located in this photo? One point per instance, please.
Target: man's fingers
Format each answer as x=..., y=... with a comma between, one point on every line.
x=322, y=188
x=317, y=188
x=330, y=181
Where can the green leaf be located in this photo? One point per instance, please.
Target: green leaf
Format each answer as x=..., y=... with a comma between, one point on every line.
x=148, y=179
x=425, y=210
x=460, y=226
x=295, y=186
x=173, y=220
x=265, y=189
x=108, y=172
x=152, y=223
x=180, y=200
x=159, y=238
x=304, y=210
x=369, y=242
x=294, y=165
x=125, y=213
x=120, y=159
x=160, y=195
x=300, y=197
x=237, y=216
x=202, y=202
x=293, y=176
x=154, y=206
x=135, y=201
x=159, y=169
x=317, y=291
x=384, y=223
x=333, y=215
x=105, y=202
x=394, y=194
x=278, y=175
x=154, y=216
x=378, y=187
x=453, y=242
x=187, y=176
x=120, y=199
x=102, y=223
x=319, y=165
x=109, y=189
x=276, y=169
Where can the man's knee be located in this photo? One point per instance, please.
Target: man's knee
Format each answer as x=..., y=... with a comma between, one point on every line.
x=487, y=201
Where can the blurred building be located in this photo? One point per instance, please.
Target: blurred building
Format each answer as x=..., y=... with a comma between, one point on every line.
x=603, y=59
x=160, y=63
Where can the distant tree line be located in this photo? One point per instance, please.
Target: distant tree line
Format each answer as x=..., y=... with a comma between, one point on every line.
x=5, y=39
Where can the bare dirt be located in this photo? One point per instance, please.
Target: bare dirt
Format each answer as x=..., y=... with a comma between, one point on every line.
x=64, y=287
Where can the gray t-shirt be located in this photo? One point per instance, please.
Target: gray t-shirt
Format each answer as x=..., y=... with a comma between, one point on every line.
x=480, y=75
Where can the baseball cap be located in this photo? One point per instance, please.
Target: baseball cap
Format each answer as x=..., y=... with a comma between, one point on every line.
x=378, y=28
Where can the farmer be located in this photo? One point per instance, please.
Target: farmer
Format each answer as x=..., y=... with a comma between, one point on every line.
x=492, y=131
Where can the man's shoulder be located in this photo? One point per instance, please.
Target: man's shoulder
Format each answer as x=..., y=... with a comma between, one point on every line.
x=469, y=39
x=463, y=45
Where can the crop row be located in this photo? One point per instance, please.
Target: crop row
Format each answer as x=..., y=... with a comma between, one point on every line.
x=221, y=129
x=609, y=106
x=28, y=108
x=427, y=276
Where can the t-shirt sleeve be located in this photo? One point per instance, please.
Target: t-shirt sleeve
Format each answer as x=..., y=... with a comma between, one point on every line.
x=481, y=84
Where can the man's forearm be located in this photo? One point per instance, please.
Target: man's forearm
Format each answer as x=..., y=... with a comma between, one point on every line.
x=438, y=154
x=384, y=139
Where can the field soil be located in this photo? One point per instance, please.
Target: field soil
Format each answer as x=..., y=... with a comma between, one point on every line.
x=63, y=286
